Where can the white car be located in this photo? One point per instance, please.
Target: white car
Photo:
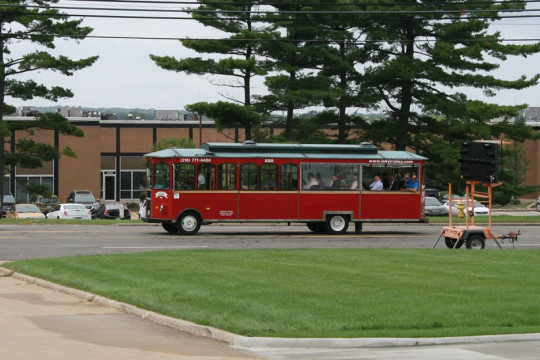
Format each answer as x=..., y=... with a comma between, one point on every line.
x=142, y=210
x=70, y=211
x=479, y=208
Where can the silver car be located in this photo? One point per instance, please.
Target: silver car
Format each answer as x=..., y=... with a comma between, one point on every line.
x=70, y=211
x=479, y=208
x=433, y=207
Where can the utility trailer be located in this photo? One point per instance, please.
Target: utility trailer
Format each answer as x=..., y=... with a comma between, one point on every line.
x=474, y=237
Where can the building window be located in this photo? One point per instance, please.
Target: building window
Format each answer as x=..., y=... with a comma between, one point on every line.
x=131, y=184
x=21, y=187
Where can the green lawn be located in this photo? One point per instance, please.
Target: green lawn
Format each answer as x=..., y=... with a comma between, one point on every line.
x=319, y=292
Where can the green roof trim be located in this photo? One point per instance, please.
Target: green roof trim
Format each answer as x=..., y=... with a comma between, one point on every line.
x=290, y=151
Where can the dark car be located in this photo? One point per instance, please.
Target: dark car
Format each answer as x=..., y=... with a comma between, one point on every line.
x=8, y=201
x=433, y=193
x=86, y=198
x=46, y=204
x=113, y=211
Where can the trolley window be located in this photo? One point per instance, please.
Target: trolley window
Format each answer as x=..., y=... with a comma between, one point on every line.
x=148, y=174
x=269, y=176
x=227, y=177
x=248, y=176
x=324, y=176
x=289, y=177
x=184, y=176
x=393, y=177
x=206, y=178
x=162, y=176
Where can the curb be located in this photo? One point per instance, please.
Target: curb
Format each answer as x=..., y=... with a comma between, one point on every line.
x=240, y=341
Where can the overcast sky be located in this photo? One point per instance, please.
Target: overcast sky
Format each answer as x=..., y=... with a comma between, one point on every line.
x=125, y=76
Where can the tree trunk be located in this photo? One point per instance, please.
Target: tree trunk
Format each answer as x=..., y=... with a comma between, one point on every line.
x=404, y=113
x=2, y=97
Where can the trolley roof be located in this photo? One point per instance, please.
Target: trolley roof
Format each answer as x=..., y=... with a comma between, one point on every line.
x=307, y=151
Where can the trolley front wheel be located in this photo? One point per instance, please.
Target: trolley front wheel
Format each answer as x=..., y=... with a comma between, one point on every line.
x=189, y=223
x=337, y=224
x=170, y=228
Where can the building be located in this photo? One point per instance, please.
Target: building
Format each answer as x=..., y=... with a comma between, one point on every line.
x=168, y=115
x=109, y=159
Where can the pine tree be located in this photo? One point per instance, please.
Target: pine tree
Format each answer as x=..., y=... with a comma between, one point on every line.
x=421, y=52
x=37, y=24
x=240, y=62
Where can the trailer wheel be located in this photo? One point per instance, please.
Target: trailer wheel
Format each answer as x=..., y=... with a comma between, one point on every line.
x=317, y=227
x=476, y=242
x=450, y=242
x=337, y=224
x=189, y=223
x=170, y=228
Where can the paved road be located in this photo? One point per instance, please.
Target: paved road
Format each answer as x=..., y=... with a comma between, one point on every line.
x=38, y=241
x=41, y=323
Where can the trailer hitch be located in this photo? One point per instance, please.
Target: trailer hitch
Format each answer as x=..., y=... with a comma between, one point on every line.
x=511, y=236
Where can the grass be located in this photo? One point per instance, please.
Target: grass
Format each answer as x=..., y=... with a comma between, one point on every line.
x=319, y=292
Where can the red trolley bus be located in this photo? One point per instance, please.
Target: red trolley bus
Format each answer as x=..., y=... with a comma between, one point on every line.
x=325, y=186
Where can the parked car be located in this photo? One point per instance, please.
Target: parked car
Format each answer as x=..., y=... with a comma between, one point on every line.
x=433, y=207
x=479, y=208
x=113, y=211
x=45, y=204
x=435, y=193
x=8, y=201
x=142, y=210
x=86, y=198
x=454, y=197
x=24, y=211
x=70, y=211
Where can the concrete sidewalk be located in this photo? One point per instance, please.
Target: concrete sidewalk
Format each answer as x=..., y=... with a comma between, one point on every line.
x=40, y=323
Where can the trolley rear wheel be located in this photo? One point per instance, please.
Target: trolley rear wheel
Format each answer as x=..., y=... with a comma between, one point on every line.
x=476, y=242
x=318, y=227
x=337, y=224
